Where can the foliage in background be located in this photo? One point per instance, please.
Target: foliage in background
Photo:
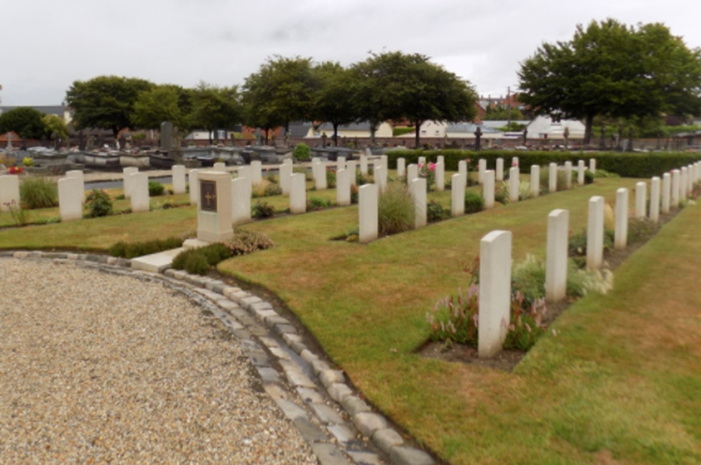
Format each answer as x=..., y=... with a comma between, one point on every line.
x=317, y=203
x=435, y=212
x=302, y=152
x=155, y=188
x=38, y=193
x=25, y=121
x=395, y=209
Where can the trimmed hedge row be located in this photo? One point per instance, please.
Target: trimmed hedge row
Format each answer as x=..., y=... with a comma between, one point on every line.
x=630, y=165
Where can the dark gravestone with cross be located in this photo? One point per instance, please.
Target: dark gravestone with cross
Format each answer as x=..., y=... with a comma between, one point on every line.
x=478, y=138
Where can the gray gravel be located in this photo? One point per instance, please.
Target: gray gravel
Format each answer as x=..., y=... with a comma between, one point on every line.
x=97, y=368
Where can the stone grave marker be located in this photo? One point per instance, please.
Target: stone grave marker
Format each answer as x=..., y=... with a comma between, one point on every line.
x=9, y=192
x=401, y=167
x=580, y=172
x=595, y=233
x=666, y=191
x=513, y=184
x=78, y=174
x=343, y=188
x=319, y=172
x=417, y=188
x=500, y=170
x=488, y=189
x=440, y=176
x=676, y=175
x=380, y=177
x=495, y=291
x=568, y=175
x=592, y=165
x=179, y=185
x=655, y=199
x=139, y=192
x=457, y=203
x=298, y=194
x=482, y=168
x=351, y=167
x=412, y=173
x=556, y=256
x=620, y=233
x=552, y=178
x=166, y=136
x=285, y=173
x=127, y=180
x=241, y=191
x=535, y=181
x=70, y=198
x=364, y=164
x=640, y=199
x=340, y=163
x=682, y=185
x=219, y=166
x=214, y=222
x=256, y=172
x=368, y=213
x=462, y=167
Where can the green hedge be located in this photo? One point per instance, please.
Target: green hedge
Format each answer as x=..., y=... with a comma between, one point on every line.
x=630, y=165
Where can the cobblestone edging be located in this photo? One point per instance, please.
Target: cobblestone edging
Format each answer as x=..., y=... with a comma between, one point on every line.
x=310, y=393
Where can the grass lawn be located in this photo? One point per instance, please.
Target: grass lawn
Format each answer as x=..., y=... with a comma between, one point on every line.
x=620, y=382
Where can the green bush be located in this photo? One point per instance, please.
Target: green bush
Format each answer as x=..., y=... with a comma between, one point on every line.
x=395, y=209
x=588, y=177
x=272, y=189
x=155, y=188
x=362, y=179
x=139, y=249
x=606, y=174
x=245, y=242
x=99, y=203
x=396, y=132
x=201, y=260
x=262, y=210
x=474, y=202
x=317, y=203
x=354, y=194
x=38, y=193
x=435, y=212
x=302, y=152
x=330, y=179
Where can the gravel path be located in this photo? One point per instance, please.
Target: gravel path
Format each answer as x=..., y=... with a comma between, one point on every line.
x=97, y=368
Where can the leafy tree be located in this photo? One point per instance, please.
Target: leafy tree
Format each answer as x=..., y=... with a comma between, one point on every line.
x=216, y=108
x=163, y=103
x=500, y=112
x=613, y=70
x=282, y=91
x=54, y=126
x=25, y=121
x=105, y=102
x=398, y=86
x=334, y=100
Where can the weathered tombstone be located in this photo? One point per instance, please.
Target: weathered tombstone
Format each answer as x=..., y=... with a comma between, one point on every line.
x=78, y=174
x=256, y=172
x=219, y=166
x=127, y=180
x=195, y=187
x=179, y=185
x=440, y=159
x=319, y=171
x=556, y=256
x=682, y=185
x=70, y=198
x=166, y=136
x=552, y=178
x=422, y=161
x=666, y=191
x=495, y=292
x=417, y=189
x=285, y=173
x=592, y=165
x=139, y=192
x=401, y=167
x=298, y=194
x=368, y=213
x=640, y=199
x=440, y=176
x=580, y=172
x=9, y=192
x=214, y=222
x=412, y=173
x=482, y=166
x=690, y=179
x=340, y=163
x=478, y=139
x=241, y=191
x=655, y=199
x=343, y=189
x=500, y=169
x=380, y=177
x=351, y=167
x=457, y=204
x=535, y=181
x=488, y=189
x=595, y=233
x=676, y=175
x=364, y=164
x=620, y=233
x=462, y=168
x=513, y=184
x=568, y=175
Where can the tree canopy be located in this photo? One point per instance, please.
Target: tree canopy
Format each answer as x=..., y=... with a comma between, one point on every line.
x=25, y=121
x=613, y=70
x=54, y=126
x=334, y=99
x=165, y=102
x=105, y=102
x=216, y=107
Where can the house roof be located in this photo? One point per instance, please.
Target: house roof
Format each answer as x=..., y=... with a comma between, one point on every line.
x=469, y=128
x=298, y=129
x=362, y=126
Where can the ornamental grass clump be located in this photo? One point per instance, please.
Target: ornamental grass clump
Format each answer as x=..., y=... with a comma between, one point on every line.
x=245, y=242
x=38, y=193
x=395, y=209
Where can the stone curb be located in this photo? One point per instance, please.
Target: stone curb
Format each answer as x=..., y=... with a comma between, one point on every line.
x=281, y=359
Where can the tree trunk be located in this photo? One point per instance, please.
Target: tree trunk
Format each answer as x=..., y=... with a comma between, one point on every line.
x=373, y=130
x=589, y=122
x=417, y=137
x=335, y=134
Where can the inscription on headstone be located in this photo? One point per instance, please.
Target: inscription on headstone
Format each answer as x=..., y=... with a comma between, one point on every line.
x=208, y=196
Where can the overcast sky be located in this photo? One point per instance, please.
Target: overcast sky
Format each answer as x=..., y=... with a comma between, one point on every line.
x=46, y=45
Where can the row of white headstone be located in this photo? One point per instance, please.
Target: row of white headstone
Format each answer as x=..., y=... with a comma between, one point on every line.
x=495, y=249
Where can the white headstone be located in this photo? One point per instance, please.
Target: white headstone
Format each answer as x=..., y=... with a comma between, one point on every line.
x=9, y=192
x=482, y=168
x=340, y=163
x=690, y=179
x=214, y=221
x=462, y=167
x=556, y=256
x=380, y=177
x=363, y=164
x=513, y=184
x=368, y=213
x=401, y=167
x=343, y=188
x=219, y=166
x=620, y=233
x=70, y=198
x=78, y=174
x=422, y=160
x=595, y=233
x=412, y=172
x=592, y=165
x=139, y=192
x=666, y=191
x=682, y=184
x=417, y=188
x=640, y=200
x=351, y=167
x=488, y=189
x=179, y=185
x=241, y=191
x=568, y=175
x=580, y=172
x=514, y=161
x=552, y=178
x=194, y=187
x=285, y=173
x=385, y=162
x=495, y=292
x=655, y=199
x=535, y=181
x=319, y=171
x=256, y=172
x=457, y=203
x=440, y=176
x=440, y=159
x=500, y=169
x=676, y=178
x=127, y=180
x=298, y=193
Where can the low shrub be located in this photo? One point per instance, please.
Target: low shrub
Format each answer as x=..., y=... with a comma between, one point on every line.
x=272, y=189
x=262, y=210
x=588, y=177
x=330, y=179
x=435, y=212
x=354, y=194
x=272, y=179
x=139, y=249
x=27, y=162
x=640, y=229
x=245, y=242
x=155, y=188
x=317, y=203
x=361, y=179
x=395, y=209
x=201, y=260
x=428, y=171
x=501, y=193
x=581, y=281
x=528, y=277
x=38, y=193
x=19, y=215
x=474, y=202
x=99, y=203
x=524, y=190
x=302, y=152
x=604, y=174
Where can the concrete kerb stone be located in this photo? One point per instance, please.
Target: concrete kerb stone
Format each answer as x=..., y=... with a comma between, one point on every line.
x=227, y=303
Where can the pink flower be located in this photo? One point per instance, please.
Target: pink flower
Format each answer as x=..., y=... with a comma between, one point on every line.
x=432, y=166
